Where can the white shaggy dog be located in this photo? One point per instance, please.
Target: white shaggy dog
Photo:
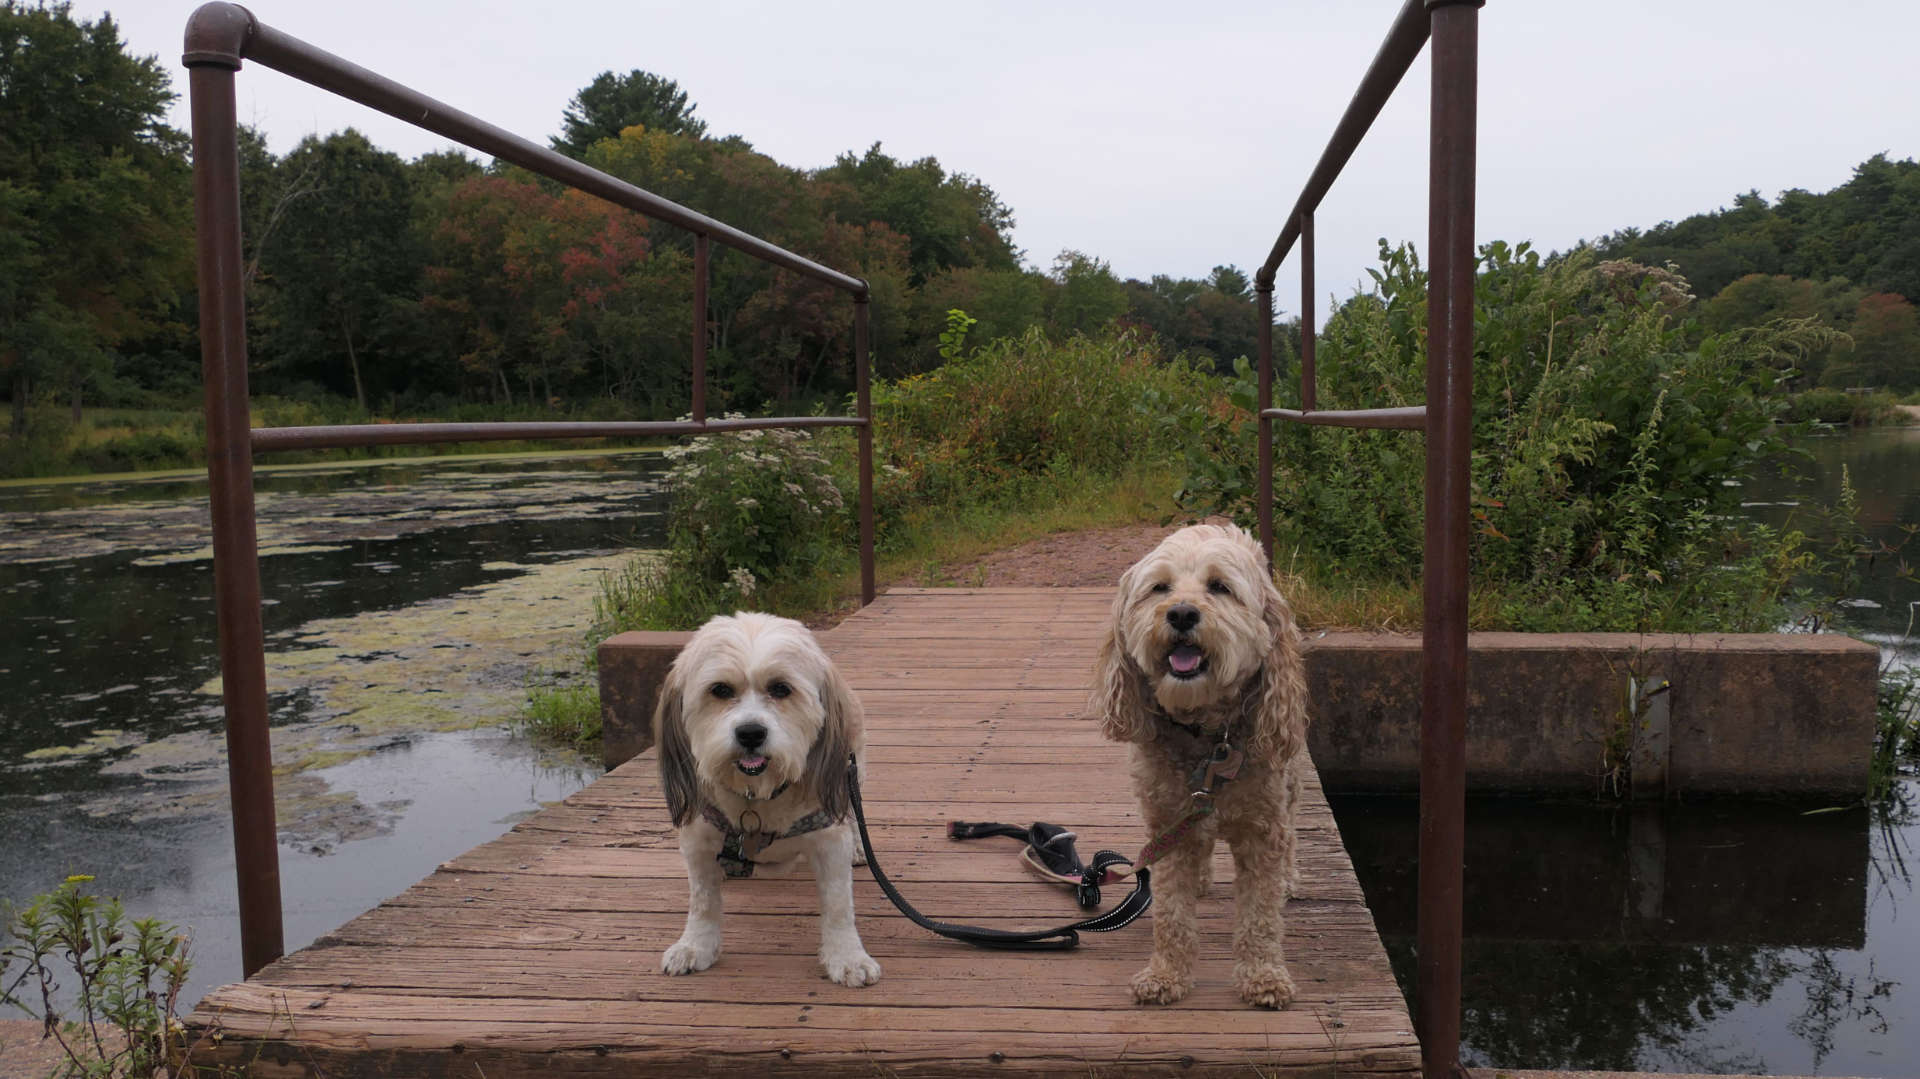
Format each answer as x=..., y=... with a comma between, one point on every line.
x=1200, y=664
x=754, y=729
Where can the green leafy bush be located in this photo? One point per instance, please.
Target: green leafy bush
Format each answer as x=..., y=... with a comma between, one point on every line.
x=744, y=508
x=1607, y=435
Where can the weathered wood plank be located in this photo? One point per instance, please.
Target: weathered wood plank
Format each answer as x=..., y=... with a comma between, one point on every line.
x=538, y=953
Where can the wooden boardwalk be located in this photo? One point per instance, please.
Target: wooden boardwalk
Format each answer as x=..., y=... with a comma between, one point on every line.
x=538, y=953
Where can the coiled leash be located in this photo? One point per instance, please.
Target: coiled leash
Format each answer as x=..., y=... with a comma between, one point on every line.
x=1050, y=850
x=1033, y=940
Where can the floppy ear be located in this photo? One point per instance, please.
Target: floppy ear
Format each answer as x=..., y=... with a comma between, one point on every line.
x=1119, y=696
x=677, y=776
x=827, y=758
x=1280, y=721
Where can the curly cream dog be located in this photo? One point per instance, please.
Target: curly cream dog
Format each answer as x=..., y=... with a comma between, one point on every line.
x=754, y=728
x=1202, y=651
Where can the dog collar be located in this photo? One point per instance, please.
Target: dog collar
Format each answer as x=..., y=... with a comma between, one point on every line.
x=1215, y=765
x=739, y=844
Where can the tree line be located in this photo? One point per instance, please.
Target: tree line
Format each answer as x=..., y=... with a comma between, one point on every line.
x=430, y=284
x=441, y=283
x=1848, y=259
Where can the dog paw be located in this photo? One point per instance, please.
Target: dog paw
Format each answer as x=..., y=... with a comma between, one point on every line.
x=853, y=969
x=689, y=954
x=1156, y=986
x=1264, y=987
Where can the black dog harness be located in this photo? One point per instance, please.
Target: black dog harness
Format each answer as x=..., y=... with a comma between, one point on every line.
x=740, y=843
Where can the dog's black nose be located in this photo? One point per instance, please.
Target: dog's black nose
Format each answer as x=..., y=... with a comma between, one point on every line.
x=1183, y=616
x=750, y=735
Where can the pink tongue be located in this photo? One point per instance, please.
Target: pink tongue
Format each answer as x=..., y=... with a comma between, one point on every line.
x=752, y=762
x=1184, y=659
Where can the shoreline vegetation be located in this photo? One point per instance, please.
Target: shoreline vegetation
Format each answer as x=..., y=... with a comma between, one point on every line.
x=149, y=443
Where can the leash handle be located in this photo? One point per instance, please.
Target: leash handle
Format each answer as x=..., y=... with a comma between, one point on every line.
x=1033, y=940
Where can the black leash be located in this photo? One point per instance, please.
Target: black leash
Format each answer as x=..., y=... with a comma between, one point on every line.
x=1033, y=940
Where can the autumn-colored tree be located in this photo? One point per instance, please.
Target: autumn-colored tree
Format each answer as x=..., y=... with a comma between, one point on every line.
x=552, y=295
x=1886, y=346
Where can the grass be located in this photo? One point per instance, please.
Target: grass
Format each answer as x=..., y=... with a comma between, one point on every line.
x=567, y=716
x=1896, y=739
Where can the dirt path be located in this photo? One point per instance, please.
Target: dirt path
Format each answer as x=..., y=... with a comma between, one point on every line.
x=1092, y=559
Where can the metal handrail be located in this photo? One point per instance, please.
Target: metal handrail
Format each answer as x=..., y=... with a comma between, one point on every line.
x=218, y=37
x=1406, y=418
x=1446, y=418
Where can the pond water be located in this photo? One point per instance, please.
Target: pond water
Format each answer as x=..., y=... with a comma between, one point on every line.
x=110, y=762
x=1713, y=936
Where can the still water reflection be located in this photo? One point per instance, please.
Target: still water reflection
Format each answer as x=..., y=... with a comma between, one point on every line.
x=105, y=590
x=1718, y=937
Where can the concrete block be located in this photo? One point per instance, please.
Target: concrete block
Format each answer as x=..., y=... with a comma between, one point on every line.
x=1749, y=713
x=632, y=668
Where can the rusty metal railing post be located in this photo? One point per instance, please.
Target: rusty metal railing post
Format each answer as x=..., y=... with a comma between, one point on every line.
x=863, y=404
x=1308, y=380
x=1443, y=721
x=212, y=57
x=702, y=254
x=1263, y=485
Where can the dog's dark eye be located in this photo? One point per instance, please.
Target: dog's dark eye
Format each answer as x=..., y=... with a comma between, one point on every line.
x=1161, y=587
x=1218, y=587
x=779, y=691
x=721, y=691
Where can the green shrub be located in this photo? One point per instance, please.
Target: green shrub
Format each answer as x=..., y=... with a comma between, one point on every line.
x=1604, y=446
x=744, y=509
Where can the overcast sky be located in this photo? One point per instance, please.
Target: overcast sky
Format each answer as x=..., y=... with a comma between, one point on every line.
x=1165, y=137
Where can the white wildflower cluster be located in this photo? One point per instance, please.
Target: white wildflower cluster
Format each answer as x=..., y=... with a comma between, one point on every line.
x=750, y=506
x=1668, y=288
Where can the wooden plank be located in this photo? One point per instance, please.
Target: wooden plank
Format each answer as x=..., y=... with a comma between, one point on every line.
x=1090, y=979
x=538, y=953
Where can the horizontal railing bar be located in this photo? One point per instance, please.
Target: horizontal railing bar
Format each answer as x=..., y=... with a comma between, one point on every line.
x=278, y=439
x=1412, y=418
x=285, y=53
x=1404, y=42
